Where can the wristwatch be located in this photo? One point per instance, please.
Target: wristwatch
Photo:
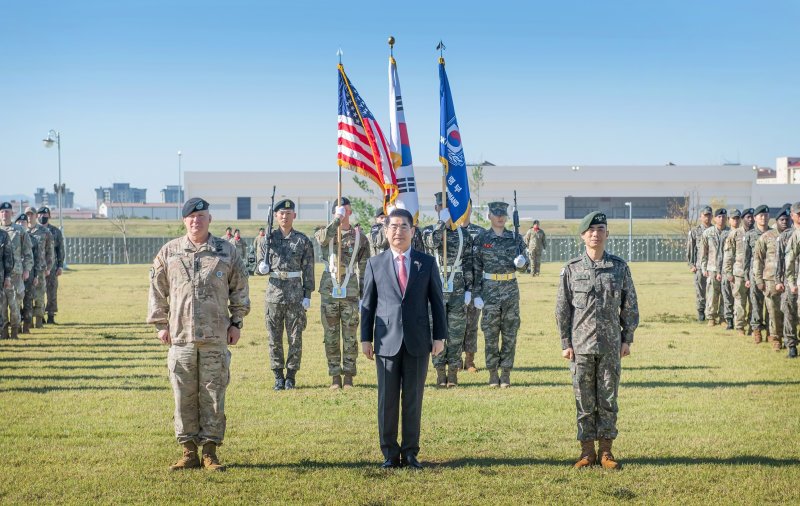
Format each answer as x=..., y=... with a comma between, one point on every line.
x=237, y=324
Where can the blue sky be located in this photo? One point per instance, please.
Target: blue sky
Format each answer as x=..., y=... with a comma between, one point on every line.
x=246, y=85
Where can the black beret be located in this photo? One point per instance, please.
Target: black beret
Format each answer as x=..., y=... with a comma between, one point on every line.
x=44, y=210
x=5, y=205
x=344, y=202
x=284, y=204
x=747, y=211
x=22, y=217
x=192, y=205
x=785, y=211
x=721, y=212
x=380, y=212
x=593, y=218
x=761, y=209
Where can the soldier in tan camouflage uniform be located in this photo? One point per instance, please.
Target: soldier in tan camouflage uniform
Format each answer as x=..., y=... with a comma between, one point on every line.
x=499, y=255
x=765, y=263
x=791, y=266
x=473, y=314
x=198, y=300
x=457, y=283
x=42, y=233
x=759, y=317
x=39, y=265
x=693, y=256
x=23, y=265
x=788, y=298
x=597, y=314
x=733, y=267
x=536, y=241
x=712, y=243
x=341, y=294
x=6, y=272
x=60, y=252
x=290, y=267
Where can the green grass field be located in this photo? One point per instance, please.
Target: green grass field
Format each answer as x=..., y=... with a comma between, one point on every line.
x=705, y=415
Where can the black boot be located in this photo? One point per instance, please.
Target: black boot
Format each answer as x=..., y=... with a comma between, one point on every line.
x=51, y=319
x=792, y=352
x=730, y=324
x=279, y=381
x=290, y=374
x=701, y=316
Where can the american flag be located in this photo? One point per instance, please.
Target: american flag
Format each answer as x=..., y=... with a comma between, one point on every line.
x=362, y=146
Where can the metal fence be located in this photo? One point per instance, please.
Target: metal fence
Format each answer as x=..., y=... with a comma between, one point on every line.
x=141, y=250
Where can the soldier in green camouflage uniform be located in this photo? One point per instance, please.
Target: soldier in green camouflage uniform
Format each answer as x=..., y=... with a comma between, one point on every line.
x=39, y=265
x=765, y=263
x=473, y=314
x=6, y=272
x=458, y=277
x=712, y=243
x=340, y=315
x=791, y=266
x=597, y=314
x=42, y=233
x=499, y=255
x=290, y=267
x=60, y=251
x=198, y=300
x=759, y=317
x=536, y=240
x=788, y=298
x=23, y=265
x=693, y=256
x=733, y=267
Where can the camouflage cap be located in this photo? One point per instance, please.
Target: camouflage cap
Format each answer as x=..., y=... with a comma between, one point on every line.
x=761, y=209
x=593, y=218
x=736, y=213
x=796, y=208
x=284, y=204
x=438, y=198
x=22, y=217
x=706, y=210
x=380, y=212
x=193, y=205
x=30, y=209
x=5, y=205
x=721, y=212
x=498, y=208
x=749, y=211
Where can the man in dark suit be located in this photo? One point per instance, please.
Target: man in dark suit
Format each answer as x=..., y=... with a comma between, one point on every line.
x=399, y=286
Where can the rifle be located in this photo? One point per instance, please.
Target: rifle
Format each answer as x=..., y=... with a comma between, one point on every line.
x=516, y=223
x=270, y=222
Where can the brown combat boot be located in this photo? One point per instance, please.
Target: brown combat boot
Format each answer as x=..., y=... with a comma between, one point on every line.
x=757, y=336
x=607, y=459
x=39, y=322
x=469, y=362
x=505, y=378
x=441, y=377
x=452, y=376
x=26, y=326
x=348, y=381
x=711, y=322
x=588, y=456
x=210, y=460
x=776, y=343
x=189, y=459
x=336, y=382
x=14, y=332
x=741, y=332
x=494, y=379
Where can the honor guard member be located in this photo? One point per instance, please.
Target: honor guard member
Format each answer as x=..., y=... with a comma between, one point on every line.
x=597, y=314
x=473, y=314
x=733, y=267
x=198, y=300
x=457, y=285
x=290, y=267
x=759, y=317
x=712, y=243
x=536, y=240
x=765, y=265
x=39, y=265
x=60, y=251
x=499, y=255
x=23, y=265
x=42, y=233
x=693, y=256
x=788, y=298
x=341, y=294
x=377, y=236
x=792, y=266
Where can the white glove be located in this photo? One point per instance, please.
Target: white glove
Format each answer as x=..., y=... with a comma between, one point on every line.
x=467, y=297
x=444, y=215
x=306, y=303
x=340, y=212
x=332, y=264
x=478, y=303
x=263, y=268
x=520, y=262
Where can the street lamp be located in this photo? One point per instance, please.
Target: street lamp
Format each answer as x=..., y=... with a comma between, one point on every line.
x=54, y=137
x=630, y=230
x=178, y=198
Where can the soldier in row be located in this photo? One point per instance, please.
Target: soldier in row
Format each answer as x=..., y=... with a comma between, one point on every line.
x=47, y=245
x=791, y=266
x=718, y=291
x=759, y=319
x=788, y=298
x=37, y=271
x=694, y=255
x=733, y=265
x=23, y=265
x=765, y=265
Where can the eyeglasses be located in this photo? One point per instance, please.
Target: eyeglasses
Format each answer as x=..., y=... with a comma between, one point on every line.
x=402, y=228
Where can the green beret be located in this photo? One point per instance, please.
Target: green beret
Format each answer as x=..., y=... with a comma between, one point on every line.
x=761, y=209
x=593, y=218
x=498, y=208
x=192, y=205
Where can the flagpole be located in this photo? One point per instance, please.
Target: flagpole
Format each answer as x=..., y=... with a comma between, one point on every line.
x=339, y=233
x=444, y=197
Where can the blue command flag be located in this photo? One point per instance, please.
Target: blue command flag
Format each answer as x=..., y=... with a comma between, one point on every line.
x=451, y=154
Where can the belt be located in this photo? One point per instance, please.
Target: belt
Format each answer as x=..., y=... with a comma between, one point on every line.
x=285, y=275
x=500, y=277
x=450, y=268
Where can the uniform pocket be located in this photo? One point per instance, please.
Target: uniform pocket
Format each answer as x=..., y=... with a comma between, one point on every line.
x=580, y=294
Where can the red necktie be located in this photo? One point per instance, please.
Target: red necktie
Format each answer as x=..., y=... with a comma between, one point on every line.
x=402, y=274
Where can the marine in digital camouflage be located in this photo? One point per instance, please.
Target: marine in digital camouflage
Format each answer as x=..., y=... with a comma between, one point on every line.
x=473, y=314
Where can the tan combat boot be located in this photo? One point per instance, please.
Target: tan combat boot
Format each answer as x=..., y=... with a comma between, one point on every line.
x=741, y=332
x=505, y=378
x=588, y=456
x=711, y=322
x=210, y=460
x=494, y=379
x=776, y=343
x=189, y=459
x=607, y=459
x=757, y=336
x=348, y=381
x=469, y=362
x=336, y=382
x=441, y=377
x=452, y=376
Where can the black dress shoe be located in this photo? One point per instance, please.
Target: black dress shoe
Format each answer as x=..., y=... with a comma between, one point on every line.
x=279, y=384
x=289, y=384
x=391, y=464
x=411, y=461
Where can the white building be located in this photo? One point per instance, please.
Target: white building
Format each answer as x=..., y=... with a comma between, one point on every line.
x=155, y=211
x=543, y=192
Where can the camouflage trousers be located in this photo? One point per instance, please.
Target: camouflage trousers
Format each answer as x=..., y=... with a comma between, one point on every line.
x=501, y=317
x=292, y=317
x=456, y=328
x=759, y=317
x=700, y=290
x=27, y=299
x=536, y=261
x=790, y=317
x=719, y=298
x=14, y=298
x=772, y=298
x=595, y=380
x=199, y=374
x=52, y=293
x=740, y=303
x=471, y=331
x=340, y=334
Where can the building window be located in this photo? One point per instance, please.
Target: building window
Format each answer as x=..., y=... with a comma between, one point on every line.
x=242, y=208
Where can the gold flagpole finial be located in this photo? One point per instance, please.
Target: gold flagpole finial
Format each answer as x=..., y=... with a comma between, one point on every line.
x=391, y=48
